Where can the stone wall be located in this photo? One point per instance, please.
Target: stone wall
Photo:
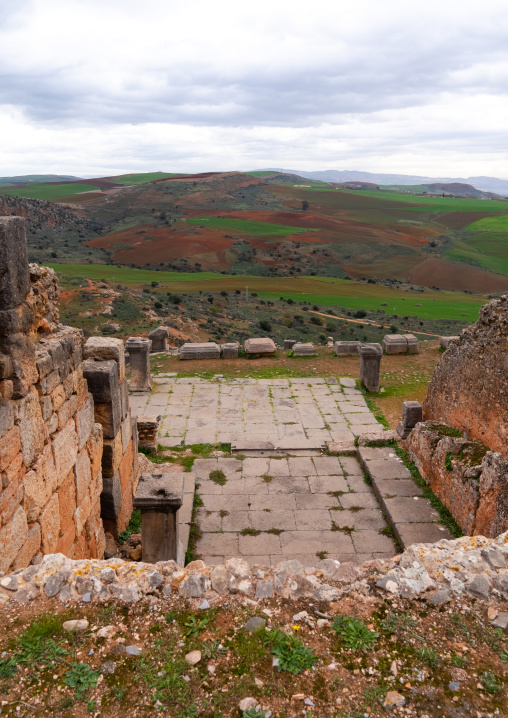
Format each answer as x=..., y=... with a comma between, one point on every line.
x=471, y=481
x=50, y=445
x=469, y=389
x=104, y=369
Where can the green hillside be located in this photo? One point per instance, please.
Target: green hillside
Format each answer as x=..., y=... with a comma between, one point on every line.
x=48, y=191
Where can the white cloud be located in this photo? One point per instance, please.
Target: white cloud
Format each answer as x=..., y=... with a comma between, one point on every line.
x=101, y=86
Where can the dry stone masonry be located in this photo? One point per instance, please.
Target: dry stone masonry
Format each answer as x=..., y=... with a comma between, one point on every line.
x=104, y=370
x=50, y=444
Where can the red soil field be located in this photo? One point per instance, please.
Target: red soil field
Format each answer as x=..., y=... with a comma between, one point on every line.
x=448, y=275
x=459, y=220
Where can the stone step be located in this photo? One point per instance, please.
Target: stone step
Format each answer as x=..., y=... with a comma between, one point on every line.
x=278, y=445
x=412, y=517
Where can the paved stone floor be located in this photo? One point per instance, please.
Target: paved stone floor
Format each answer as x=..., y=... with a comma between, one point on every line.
x=198, y=411
x=298, y=507
x=269, y=509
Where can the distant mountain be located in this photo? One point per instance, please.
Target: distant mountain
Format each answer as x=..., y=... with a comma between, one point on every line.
x=28, y=179
x=486, y=184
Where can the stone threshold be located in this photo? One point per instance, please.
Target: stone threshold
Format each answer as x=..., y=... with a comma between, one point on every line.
x=411, y=516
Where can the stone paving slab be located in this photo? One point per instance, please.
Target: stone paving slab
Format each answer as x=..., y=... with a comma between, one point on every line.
x=409, y=513
x=291, y=414
x=270, y=509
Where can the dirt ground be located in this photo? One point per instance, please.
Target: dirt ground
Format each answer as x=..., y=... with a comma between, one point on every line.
x=403, y=377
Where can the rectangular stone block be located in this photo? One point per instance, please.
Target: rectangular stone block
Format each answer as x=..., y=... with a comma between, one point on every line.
x=304, y=349
x=139, y=360
x=65, y=450
x=10, y=445
x=108, y=415
x=6, y=417
x=14, y=277
x=12, y=537
x=346, y=348
x=445, y=342
x=67, y=502
x=106, y=349
x=230, y=350
x=394, y=344
x=412, y=343
x=85, y=419
x=370, y=365
x=111, y=455
x=126, y=431
x=94, y=448
x=111, y=499
x=82, y=474
x=124, y=399
x=102, y=378
x=205, y=350
x=260, y=345
x=50, y=525
x=289, y=343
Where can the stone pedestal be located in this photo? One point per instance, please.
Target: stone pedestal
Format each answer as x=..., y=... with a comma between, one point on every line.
x=289, y=343
x=412, y=344
x=159, y=496
x=370, y=364
x=412, y=414
x=394, y=344
x=148, y=426
x=346, y=348
x=139, y=360
x=159, y=338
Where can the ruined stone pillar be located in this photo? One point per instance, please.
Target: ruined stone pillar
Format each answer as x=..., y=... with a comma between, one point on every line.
x=412, y=414
x=159, y=496
x=148, y=426
x=159, y=338
x=104, y=369
x=370, y=365
x=139, y=356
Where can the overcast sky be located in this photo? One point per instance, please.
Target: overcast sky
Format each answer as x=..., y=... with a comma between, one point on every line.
x=98, y=87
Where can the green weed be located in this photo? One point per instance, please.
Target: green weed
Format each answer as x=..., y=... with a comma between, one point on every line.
x=292, y=654
x=490, y=682
x=428, y=656
x=81, y=677
x=218, y=477
x=353, y=633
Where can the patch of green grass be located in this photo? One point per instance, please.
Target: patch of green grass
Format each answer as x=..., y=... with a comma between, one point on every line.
x=397, y=623
x=322, y=555
x=195, y=532
x=194, y=626
x=247, y=226
x=448, y=461
x=353, y=633
x=292, y=654
x=428, y=656
x=267, y=478
x=50, y=192
x=218, y=477
x=348, y=530
x=275, y=532
x=249, y=532
x=490, y=682
x=81, y=677
x=133, y=527
x=374, y=408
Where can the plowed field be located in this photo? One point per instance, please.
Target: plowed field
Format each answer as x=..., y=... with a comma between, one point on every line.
x=448, y=275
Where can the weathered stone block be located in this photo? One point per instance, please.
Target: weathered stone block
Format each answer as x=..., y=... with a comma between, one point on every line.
x=36, y=494
x=65, y=450
x=412, y=414
x=24, y=370
x=104, y=349
x=111, y=455
x=10, y=445
x=205, y=350
x=159, y=338
x=412, y=344
x=346, y=348
x=102, y=379
x=289, y=343
x=445, y=342
x=50, y=525
x=111, y=500
x=44, y=363
x=94, y=447
x=50, y=382
x=67, y=410
x=394, y=344
x=12, y=537
x=126, y=431
x=108, y=415
x=139, y=360
x=82, y=474
x=57, y=397
x=29, y=549
x=6, y=417
x=260, y=345
x=304, y=349
x=67, y=503
x=370, y=365
x=84, y=421
x=148, y=426
x=15, y=278
x=159, y=496
x=5, y=366
x=124, y=399
x=230, y=350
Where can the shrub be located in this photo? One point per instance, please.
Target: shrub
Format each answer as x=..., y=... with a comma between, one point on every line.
x=360, y=313
x=265, y=325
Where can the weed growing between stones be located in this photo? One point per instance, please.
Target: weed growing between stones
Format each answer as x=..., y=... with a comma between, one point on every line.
x=218, y=477
x=449, y=461
x=249, y=532
x=133, y=527
x=195, y=533
x=292, y=654
x=81, y=677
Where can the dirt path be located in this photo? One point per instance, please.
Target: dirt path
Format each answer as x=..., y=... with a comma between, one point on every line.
x=365, y=321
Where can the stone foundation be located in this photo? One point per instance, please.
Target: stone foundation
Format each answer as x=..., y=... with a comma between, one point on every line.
x=471, y=481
